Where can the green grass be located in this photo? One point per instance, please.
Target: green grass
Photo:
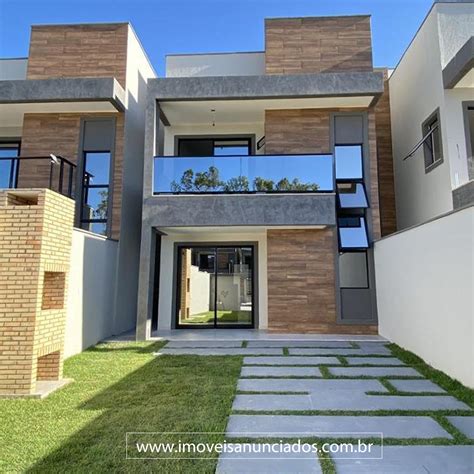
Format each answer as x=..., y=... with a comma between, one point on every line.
x=118, y=388
x=453, y=387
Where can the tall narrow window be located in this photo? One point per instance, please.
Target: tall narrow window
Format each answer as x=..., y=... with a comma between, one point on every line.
x=95, y=191
x=432, y=146
x=8, y=165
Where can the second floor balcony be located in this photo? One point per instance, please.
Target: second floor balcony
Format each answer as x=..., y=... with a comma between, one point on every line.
x=242, y=190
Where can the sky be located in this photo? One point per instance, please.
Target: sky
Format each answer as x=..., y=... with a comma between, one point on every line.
x=199, y=26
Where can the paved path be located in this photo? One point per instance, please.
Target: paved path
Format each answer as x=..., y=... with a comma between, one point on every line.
x=308, y=390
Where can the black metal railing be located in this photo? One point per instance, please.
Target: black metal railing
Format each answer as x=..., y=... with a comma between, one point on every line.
x=60, y=176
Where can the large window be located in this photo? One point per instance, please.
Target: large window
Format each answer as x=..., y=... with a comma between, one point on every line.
x=8, y=167
x=95, y=191
x=214, y=146
x=432, y=146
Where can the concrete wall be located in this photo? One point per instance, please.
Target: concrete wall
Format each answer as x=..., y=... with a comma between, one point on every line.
x=217, y=64
x=91, y=291
x=165, y=316
x=138, y=71
x=13, y=69
x=424, y=292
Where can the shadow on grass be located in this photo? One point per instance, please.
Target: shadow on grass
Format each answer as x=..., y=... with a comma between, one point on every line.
x=168, y=393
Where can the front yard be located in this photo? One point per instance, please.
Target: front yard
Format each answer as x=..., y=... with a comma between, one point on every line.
x=118, y=388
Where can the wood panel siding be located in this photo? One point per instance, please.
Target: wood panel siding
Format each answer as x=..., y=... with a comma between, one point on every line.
x=78, y=51
x=312, y=45
x=301, y=283
x=374, y=180
x=297, y=131
x=59, y=134
x=388, y=217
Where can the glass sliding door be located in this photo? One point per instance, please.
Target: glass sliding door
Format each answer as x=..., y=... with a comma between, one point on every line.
x=215, y=286
x=234, y=286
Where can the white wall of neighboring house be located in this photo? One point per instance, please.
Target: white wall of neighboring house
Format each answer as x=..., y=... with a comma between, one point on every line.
x=165, y=316
x=13, y=69
x=216, y=64
x=90, y=303
x=199, y=290
x=425, y=295
x=416, y=91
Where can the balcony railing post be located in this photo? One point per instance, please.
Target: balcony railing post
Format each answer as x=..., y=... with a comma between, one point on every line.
x=61, y=173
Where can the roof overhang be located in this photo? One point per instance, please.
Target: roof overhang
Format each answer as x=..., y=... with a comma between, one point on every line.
x=459, y=72
x=188, y=100
x=100, y=89
x=268, y=86
x=76, y=95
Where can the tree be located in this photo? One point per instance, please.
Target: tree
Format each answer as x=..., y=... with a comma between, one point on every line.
x=235, y=185
x=263, y=185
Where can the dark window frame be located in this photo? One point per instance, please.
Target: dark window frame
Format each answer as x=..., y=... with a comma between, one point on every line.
x=219, y=138
x=362, y=162
x=177, y=283
x=430, y=160
x=12, y=144
x=86, y=187
x=339, y=227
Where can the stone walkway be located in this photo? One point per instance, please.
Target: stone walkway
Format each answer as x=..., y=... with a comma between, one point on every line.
x=312, y=390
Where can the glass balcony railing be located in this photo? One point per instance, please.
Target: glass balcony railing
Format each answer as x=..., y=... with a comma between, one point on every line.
x=243, y=174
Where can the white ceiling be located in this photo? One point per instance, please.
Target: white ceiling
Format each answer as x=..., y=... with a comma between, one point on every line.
x=11, y=115
x=245, y=111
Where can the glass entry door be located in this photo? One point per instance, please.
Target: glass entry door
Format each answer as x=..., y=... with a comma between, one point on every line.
x=215, y=286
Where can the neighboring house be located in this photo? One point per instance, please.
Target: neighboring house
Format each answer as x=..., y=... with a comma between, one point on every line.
x=268, y=175
x=432, y=114
x=80, y=95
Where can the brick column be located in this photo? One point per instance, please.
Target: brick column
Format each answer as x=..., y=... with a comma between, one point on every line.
x=35, y=246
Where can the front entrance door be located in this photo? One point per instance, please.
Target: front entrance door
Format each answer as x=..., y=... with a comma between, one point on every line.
x=215, y=286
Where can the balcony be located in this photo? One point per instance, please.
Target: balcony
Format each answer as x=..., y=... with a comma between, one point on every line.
x=258, y=190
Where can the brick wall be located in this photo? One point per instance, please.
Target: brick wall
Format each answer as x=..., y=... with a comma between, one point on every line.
x=59, y=134
x=78, y=51
x=385, y=161
x=311, y=45
x=35, y=238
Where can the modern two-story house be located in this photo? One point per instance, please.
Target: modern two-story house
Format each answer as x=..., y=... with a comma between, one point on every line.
x=267, y=176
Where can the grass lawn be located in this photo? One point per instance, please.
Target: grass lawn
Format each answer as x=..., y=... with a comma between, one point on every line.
x=222, y=316
x=118, y=388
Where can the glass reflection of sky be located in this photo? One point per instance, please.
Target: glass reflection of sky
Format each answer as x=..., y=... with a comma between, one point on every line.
x=98, y=164
x=306, y=168
x=348, y=162
x=354, y=237
x=5, y=165
x=352, y=195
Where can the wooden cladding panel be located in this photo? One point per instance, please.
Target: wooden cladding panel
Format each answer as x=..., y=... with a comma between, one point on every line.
x=385, y=161
x=59, y=134
x=78, y=51
x=312, y=45
x=301, y=283
x=297, y=131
